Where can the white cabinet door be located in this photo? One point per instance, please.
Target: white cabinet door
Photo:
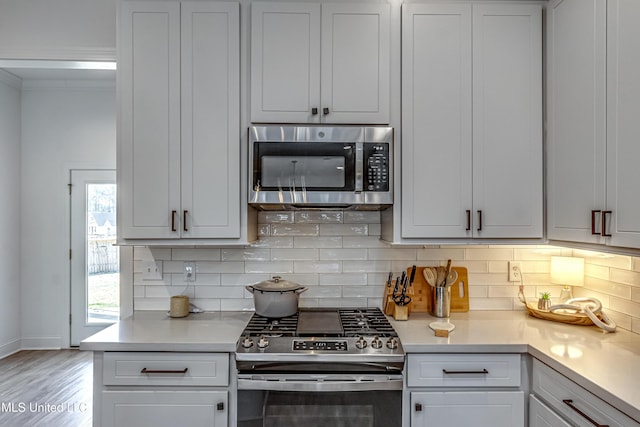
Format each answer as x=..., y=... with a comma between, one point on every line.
x=285, y=62
x=467, y=408
x=576, y=118
x=148, y=119
x=472, y=121
x=179, y=133
x=623, y=126
x=436, y=120
x=160, y=408
x=507, y=121
x=313, y=63
x=355, y=64
x=540, y=415
x=210, y=152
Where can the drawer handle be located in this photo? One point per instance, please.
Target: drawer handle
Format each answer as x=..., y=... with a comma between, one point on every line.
x=570, y=404
x=160, y=371
x=447, y=372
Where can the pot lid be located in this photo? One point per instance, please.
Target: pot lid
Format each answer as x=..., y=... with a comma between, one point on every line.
x=277, y=284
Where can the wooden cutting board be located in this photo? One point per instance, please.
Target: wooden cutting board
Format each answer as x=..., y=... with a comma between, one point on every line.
x=421, y=303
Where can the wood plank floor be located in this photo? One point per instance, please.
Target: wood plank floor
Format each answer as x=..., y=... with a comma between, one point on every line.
x=47, y=388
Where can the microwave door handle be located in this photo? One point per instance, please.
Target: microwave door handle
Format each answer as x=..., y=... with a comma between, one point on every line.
x=359, y=167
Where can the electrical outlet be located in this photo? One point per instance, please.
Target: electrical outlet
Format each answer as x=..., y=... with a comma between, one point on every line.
x=152, y=270
x=189, y=271
x=515, y=271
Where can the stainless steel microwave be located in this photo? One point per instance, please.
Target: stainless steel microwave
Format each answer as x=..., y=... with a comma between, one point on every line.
x=320, y=166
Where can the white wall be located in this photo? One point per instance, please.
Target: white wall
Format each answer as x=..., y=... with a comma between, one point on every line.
x=60, y=29
x=9, y=214
x=65, y=125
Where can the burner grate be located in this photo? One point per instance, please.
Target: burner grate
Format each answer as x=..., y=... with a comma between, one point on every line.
x=355, y=322
x=259, y=325
x=366, y=321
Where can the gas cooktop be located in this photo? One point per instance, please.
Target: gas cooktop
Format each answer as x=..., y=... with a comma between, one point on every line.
x=323, y=322
x=325, y=334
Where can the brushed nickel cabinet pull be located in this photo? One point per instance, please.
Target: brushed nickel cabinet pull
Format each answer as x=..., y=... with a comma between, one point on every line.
x=184, y=221
x=468, y=211
x=604, y=223
x=593, y=222
x=570, y=404
x=447, y=372
x=173, y=221
x=161, y=371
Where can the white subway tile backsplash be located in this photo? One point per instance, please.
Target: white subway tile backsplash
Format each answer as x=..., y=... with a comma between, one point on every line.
x=319, y=217
x=317, y=267
x=294, y=254
x=193, y=254
x=318, y=242
x=343, y=254
x=295, y=229
x=363, y=242
x=246, y=254
x=344, y=229
x=339, y=256
x=392, y=254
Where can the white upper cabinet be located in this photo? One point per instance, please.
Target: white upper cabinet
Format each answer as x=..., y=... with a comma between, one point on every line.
x=623, y=124
x=593, y=110
x=178, y=137
x=472, y=121
x=576, y=118
x=313, y=63
x=436, y=121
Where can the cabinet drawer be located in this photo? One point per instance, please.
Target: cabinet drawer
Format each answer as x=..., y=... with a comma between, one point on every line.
x=554, y=388
x=463, y=370
x=158, y=369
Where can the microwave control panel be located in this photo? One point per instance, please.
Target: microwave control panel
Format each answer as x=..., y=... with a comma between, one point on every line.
x=376, y=166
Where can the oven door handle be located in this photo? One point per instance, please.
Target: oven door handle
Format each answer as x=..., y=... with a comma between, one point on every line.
x=286, y=366
x=366, y=383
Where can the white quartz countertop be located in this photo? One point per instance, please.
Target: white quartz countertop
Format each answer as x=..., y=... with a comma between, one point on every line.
x=607, y=364
x=156, y=331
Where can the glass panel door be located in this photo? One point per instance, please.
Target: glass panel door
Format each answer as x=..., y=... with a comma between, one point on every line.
x=95, y=261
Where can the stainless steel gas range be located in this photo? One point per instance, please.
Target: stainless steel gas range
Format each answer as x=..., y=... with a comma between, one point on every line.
x=320, y=366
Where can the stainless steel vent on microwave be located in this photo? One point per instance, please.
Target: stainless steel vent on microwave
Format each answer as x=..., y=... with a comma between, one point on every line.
x=321, y=166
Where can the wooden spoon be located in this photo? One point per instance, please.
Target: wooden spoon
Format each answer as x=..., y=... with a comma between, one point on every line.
x=429, y=276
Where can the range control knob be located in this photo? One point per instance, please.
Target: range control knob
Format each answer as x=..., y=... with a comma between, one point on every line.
x=247, y=342
x=392, y=343
x=263, y=343
x=361, y=343
x=376, y=342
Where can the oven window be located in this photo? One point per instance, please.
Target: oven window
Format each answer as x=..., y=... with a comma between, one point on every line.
x=303, y=172
x=381, y=408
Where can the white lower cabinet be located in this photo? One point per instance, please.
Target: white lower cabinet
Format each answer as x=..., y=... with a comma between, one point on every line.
x=161, y=389
x=540, y=415
x=136, y=408
x=461, y=408
x=452, y=390
x=557, y=401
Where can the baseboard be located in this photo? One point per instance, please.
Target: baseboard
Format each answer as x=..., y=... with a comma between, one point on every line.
x=9, y=348
x=41, y=343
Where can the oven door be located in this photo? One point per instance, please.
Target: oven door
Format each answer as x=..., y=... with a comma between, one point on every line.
x=379, y=408
x=319, y=394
